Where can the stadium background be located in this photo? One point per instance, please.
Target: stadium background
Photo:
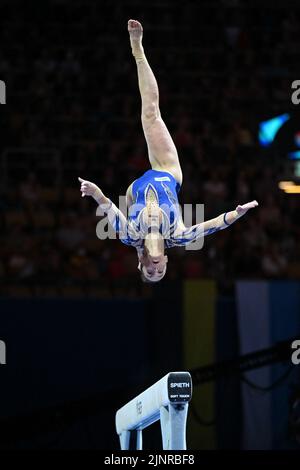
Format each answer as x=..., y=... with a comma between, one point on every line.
x=83, y=334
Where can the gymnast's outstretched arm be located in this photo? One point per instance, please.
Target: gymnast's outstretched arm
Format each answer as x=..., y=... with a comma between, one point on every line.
x=190, y=234
x=116, y=218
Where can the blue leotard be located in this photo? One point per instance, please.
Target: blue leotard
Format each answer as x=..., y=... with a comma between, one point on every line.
x=165, y=189
x=132, y=229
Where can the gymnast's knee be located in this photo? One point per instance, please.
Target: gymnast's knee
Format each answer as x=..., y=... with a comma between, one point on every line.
x=150, y=112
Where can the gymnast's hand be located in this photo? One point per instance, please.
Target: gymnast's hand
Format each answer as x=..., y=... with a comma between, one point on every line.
x=241, y=210
x=91, y=189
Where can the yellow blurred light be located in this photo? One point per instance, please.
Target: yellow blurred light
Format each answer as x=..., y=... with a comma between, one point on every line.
x=293, y=190
x=286, y=184
x=289, y=187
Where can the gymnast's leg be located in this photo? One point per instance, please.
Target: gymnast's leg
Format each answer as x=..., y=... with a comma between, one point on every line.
x=162, y=151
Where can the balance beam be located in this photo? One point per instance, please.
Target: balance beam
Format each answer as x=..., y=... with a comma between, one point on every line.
x=166, y=400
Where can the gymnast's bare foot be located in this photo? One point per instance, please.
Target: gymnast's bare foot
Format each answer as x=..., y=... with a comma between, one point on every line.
x=135, y=30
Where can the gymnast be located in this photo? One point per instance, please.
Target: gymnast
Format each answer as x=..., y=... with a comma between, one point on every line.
x=154, y=220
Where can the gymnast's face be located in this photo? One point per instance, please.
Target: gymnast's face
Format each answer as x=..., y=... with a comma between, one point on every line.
x=154, y=269
x=153, y=262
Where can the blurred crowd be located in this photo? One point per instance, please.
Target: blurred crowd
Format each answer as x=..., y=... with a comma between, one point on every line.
x=73, y=109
